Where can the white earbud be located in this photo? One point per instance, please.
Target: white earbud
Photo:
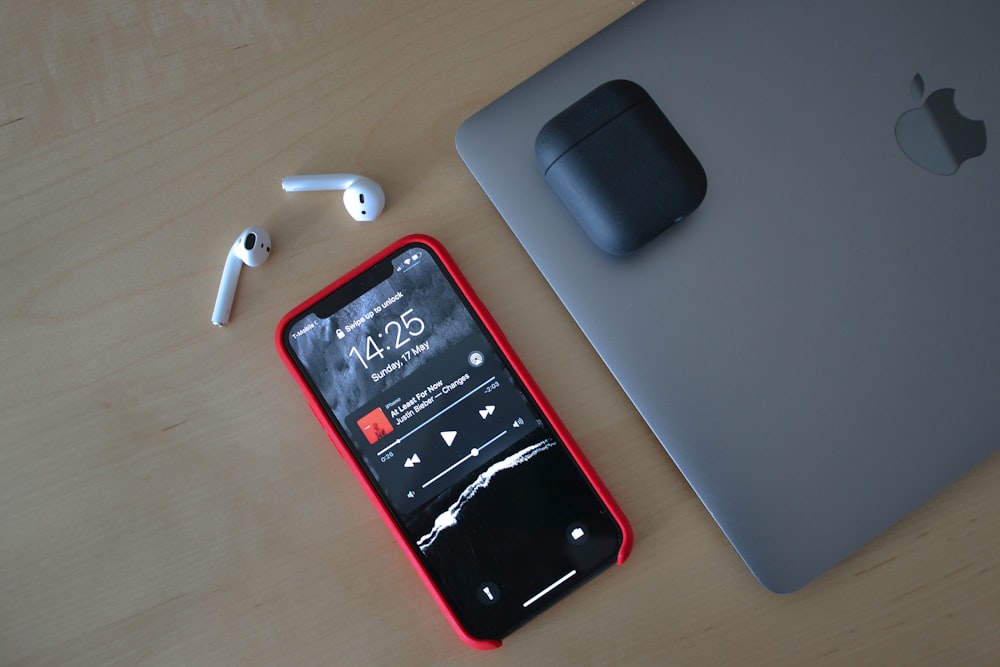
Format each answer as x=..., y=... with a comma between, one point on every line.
x=363, y=197
x=251, y=248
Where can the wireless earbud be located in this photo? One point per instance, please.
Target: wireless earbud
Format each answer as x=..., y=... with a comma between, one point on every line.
x=251, y=248
x=363, y=197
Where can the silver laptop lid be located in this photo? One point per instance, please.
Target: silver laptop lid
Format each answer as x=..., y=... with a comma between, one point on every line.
x=817, y=345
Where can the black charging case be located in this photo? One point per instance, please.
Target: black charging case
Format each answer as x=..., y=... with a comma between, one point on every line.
x=619, y=166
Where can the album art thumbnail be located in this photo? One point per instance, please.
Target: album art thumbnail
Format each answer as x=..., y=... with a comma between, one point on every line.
x=375, y=425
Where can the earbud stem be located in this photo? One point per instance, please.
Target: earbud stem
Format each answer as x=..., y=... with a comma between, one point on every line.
x=313, y=182
x=227, y=290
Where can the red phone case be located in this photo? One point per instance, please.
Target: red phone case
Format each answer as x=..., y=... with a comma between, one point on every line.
x=520, y=371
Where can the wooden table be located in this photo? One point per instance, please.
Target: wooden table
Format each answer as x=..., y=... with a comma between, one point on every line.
x=166, y=497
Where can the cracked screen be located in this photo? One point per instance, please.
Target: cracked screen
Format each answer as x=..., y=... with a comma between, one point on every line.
x=471, y=470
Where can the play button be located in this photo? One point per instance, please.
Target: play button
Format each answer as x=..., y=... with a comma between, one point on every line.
x=448, y=437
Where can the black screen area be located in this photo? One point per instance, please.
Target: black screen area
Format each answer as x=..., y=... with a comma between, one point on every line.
x=469, y=467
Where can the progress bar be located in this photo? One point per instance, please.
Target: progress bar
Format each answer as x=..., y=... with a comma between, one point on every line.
x=548, y=589
x=474, y=452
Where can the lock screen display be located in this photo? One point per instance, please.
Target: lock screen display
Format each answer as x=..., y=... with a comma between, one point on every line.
x=472, y=472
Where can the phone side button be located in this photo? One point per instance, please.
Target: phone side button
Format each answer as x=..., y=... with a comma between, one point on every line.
x=329, y=431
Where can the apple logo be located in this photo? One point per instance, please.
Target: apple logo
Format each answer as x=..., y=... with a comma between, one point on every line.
x=935, y=135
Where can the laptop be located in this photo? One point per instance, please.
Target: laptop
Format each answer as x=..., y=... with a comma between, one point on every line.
x=817, y=346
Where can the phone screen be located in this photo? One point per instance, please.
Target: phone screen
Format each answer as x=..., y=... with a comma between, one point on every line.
x=468, y=465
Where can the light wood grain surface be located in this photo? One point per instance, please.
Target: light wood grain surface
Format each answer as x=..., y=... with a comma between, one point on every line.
x=166, y=497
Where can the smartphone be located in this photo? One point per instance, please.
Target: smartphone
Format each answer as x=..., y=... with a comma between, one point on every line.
x=491, y=500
